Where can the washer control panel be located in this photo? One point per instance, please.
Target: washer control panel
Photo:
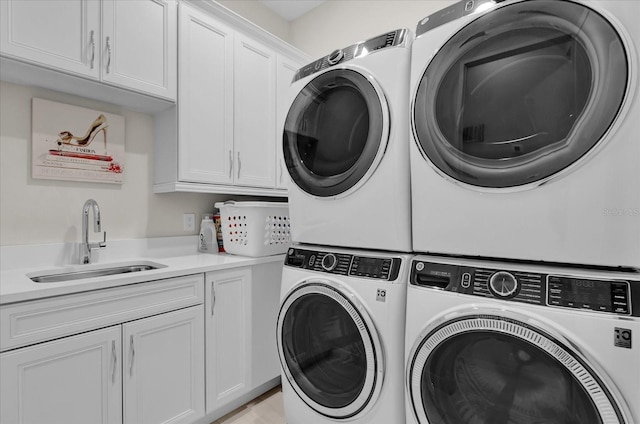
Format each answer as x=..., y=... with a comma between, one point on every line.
x=380, y=268
x=609, y=295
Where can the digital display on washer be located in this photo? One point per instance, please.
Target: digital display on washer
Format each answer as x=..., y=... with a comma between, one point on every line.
x=371, y=267
x=582, y=293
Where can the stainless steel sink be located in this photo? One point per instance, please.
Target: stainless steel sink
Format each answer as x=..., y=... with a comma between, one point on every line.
x=82, y=272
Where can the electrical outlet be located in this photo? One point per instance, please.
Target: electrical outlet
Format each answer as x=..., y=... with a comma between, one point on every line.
x=189, y=221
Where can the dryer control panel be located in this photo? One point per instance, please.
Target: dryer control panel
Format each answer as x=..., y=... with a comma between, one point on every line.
x=561, y=289
x=340, y=263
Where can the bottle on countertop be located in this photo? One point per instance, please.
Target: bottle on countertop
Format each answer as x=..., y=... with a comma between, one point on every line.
x=218, y=223
x=208, y=242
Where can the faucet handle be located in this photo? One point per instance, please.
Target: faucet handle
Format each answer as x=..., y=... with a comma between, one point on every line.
x=103, y=243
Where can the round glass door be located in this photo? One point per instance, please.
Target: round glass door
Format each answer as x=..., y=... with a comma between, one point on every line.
x=494, y=370
x=335, y=133
x=330, y=353
x=520, y=93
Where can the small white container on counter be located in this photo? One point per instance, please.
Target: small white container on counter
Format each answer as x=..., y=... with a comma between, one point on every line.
x=207, y=242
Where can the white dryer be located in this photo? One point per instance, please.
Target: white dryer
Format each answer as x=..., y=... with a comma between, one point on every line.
x=525, y=123
x=513, y=343
x=346, y=147
x=340, y=336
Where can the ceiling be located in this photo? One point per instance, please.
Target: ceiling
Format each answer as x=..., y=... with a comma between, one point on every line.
x=291, y=9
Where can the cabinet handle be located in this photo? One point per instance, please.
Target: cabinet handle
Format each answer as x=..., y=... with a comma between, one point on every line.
x=239, y=165
x=281, y=171
x=115, y=360
x=92, y=40
x=133, y=354
x=213, y=297
x=230, y=163
x=108, y=54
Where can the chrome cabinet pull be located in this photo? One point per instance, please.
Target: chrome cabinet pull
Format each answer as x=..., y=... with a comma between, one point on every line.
x=133, y=354
x=239, y=165
x=281, y=171
x=92, y=40
x=230, y=163
x=115, y=360
x=108, y=54
x=213, y=297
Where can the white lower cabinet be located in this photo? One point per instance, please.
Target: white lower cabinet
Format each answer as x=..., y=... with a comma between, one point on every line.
x=163, y=361
x=154, y=365
x=228, y=335
x=75, y=380
x=241, y=310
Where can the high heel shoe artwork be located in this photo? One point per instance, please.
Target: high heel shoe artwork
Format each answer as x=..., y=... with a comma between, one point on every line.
x=72, y=146
x=70, y=143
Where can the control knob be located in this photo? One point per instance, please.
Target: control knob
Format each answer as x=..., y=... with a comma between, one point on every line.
x=329, y=262
x=503, y=284
x=335, y=57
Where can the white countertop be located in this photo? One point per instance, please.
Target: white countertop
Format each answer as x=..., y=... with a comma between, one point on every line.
x=16, y=286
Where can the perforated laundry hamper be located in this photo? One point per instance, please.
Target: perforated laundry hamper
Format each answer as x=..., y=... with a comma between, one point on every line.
x=255, y=228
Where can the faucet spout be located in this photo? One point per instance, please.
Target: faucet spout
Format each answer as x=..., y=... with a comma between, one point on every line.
x=85, y=251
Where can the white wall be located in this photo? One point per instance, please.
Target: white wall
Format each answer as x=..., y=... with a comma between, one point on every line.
x=261, y=16
x=340, y=23
x=34, y=211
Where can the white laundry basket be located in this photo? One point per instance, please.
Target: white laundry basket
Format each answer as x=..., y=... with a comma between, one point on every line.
x=255, y=228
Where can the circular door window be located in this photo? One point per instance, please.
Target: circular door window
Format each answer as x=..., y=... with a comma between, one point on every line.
x=520, y=93
x=492, y=369
x=329, y=352
x=335, y=133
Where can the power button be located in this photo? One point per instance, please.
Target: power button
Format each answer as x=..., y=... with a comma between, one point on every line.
x=466, y=280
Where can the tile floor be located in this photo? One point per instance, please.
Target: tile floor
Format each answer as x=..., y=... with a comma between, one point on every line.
x=266, y=409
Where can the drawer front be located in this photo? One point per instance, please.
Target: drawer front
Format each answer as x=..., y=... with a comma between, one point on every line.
x=22, y=324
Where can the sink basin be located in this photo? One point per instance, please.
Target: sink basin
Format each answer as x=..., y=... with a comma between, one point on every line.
x=89, y=271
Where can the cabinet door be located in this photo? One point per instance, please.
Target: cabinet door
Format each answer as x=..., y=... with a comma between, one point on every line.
x=255, y=114
x=205, y=130
x=284, y=97
x=265, y=296
x=72, y=380
x=139, y=45
x=63, y=35
x=164, y=368
x=228, y=335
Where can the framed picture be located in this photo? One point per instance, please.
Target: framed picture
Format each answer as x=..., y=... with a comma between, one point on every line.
x=76, y=144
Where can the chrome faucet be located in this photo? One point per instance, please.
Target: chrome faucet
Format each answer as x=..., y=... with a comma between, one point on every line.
x=85, y=249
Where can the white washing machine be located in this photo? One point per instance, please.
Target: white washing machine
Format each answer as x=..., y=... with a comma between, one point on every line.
x=515, y=343
x=525, y=131
x=340, y=336
x=346, y=147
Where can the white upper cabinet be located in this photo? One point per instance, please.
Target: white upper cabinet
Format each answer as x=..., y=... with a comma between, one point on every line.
x=254, y=113
x=139, y=45
x=205, y=99
x=223, y=135
x=59, y=34
x=128, y=44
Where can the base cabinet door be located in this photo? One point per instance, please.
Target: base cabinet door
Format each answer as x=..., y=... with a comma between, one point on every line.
x=163, y=368
x=228, y=335
x=77, y=379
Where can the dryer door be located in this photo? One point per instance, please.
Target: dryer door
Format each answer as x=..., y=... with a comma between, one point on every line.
x=329, y=350
x=520, y=93
x=336, y=132
x=488, y=369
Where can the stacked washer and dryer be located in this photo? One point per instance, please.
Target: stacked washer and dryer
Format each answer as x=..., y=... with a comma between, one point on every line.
x=340, y=331
x=519, y=119
x=524, y=297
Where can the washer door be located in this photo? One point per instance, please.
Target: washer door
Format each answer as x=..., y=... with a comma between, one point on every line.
x=520, y=93
x=336, y=132
x=329, y=350
x=488, y=369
